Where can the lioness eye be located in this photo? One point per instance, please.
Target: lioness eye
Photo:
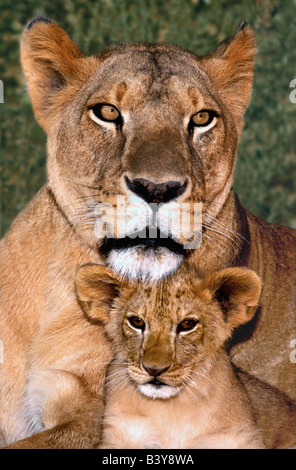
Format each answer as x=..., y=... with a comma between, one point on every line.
x=105, y=112
x=137, y=323
x=186, y=325
x=203, y=118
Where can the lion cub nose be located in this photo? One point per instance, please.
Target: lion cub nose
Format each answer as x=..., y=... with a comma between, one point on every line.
x=154, y=372
x=157, y=193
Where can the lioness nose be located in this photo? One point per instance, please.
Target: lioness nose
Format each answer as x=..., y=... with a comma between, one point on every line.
x=154, y=372
x=151, y=192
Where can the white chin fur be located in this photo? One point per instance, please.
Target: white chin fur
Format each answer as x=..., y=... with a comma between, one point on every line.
x=137, y=263
x=159, y=391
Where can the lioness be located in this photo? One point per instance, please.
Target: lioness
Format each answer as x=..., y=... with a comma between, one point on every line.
x=171, y=384
x=154, y=124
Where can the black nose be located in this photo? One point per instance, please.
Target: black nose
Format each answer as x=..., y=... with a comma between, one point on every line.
x=154, y=372
x=151, y=192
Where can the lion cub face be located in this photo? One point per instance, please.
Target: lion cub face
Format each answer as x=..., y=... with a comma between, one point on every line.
x=167, y=334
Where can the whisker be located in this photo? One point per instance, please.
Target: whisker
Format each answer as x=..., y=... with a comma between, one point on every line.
x=60, y=233
x=119, y=361
x=211, y=239
x=117, y=383
x=237, y=234
x=68, y=227
x=83, y=185
x=190, y=364
x=221, y=233
x=197, y=386
x=215, y=203
x=114, y=375
x=87, y=196
x=199, y=373
x=187, y=388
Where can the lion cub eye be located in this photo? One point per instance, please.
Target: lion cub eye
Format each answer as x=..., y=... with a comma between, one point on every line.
x=105, y=112
x=186, y=325
x=203, y=119
x=137, y=323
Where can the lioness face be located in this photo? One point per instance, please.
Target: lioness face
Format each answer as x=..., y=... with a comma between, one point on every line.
x=168, y=335
x=137, y=134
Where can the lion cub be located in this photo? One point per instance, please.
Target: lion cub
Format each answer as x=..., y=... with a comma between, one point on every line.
x=171, y=384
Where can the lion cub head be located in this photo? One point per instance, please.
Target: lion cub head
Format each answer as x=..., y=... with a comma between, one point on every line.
x=166, y=334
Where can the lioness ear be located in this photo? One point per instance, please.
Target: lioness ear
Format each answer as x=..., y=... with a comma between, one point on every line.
x=230, y=66
x=238, y=292
x=96, y=287
x=50, y=61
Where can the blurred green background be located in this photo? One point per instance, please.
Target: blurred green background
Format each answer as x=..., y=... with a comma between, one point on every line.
x=265, y=172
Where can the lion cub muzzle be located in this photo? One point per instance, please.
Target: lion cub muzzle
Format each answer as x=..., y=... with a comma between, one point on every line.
x=156, y=385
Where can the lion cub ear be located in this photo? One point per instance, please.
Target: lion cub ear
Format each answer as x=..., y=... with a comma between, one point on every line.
x=50, y=61
x=230, y=67
x=237, y=291
x=96, y=286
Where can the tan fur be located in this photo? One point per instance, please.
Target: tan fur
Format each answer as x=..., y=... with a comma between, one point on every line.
x=157, y=88
x=210, y=409
x=273, y=411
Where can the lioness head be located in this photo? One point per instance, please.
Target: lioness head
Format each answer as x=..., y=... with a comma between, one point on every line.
x=167, y=333
x=134, y=133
